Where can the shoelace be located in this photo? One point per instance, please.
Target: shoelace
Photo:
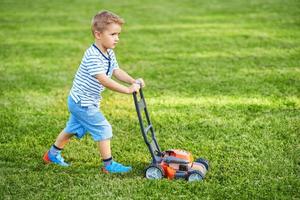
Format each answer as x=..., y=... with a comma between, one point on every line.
x=116, y=165
x=59, y=157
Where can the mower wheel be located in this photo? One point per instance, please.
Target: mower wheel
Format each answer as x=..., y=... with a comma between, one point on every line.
x=194, y=176
x=154, y=172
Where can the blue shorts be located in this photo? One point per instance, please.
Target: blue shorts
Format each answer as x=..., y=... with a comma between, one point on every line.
x=87, y=119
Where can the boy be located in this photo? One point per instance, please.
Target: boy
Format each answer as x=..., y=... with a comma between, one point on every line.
x=93, y=76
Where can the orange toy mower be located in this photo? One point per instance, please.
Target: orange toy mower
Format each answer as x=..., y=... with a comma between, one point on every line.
x=171, y=164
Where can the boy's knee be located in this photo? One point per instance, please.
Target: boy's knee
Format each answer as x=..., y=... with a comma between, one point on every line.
x=103, y=132
x=107, y=132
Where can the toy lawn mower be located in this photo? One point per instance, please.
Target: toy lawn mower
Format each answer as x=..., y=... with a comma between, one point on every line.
x=172, y=163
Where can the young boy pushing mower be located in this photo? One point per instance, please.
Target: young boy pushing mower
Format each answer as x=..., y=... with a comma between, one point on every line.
x=92, y=77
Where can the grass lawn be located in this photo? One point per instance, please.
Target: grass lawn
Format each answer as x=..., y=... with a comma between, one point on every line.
x=223, y=82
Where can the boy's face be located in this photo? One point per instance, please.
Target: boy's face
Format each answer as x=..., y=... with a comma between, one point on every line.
x=109, y=37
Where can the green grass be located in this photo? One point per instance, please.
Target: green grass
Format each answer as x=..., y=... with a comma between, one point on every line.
x=223, y=81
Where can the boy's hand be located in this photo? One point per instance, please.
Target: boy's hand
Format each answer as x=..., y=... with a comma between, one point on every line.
x=135, y=87
x=140, y=81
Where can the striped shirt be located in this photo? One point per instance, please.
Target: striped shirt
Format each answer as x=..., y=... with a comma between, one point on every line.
x=86, y=88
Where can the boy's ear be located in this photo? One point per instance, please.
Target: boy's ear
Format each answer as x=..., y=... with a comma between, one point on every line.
x=97, y=34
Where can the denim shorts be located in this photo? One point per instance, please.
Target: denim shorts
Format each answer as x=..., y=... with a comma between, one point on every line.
x=87, y=119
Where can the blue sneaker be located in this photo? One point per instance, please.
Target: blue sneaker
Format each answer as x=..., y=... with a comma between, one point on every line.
x=58, y=159
x=115, y=167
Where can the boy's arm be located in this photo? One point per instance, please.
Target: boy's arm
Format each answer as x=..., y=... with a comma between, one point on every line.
x=123, y=76
x=115, y=86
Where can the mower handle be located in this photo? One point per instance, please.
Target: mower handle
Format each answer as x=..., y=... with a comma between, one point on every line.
x=146, y=126
x=140, y=90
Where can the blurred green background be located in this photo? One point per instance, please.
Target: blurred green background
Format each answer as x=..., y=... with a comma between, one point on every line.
x=223, y=82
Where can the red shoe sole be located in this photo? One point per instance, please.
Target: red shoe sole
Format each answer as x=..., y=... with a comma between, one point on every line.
x=46, y=158
x=104, y=170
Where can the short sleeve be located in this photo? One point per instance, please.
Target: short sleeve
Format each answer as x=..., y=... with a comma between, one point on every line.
x=114, y=61
x=95, y=65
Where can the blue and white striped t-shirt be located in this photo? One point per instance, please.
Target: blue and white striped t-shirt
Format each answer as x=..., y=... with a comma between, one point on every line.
x=86, y=88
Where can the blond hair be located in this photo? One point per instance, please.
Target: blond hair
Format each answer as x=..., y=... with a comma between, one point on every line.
x=102, y=19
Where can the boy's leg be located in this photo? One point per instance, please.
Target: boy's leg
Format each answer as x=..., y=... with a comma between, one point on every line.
x=62, y=139
x=73, y=126
x=91, y=120
x=54, y=154
x=110, y=166
x=104, y=149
